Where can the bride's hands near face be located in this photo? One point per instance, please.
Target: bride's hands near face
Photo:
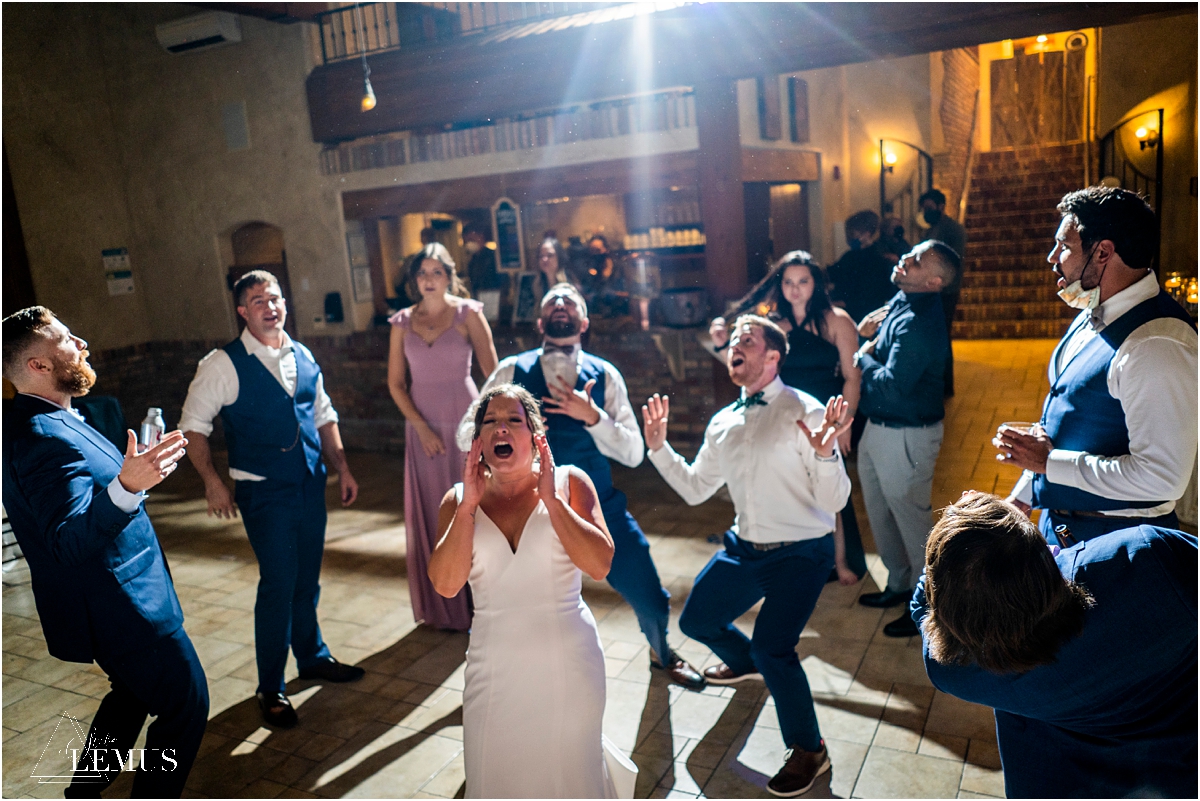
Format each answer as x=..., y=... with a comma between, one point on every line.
x=474, y=478
x=545, y=487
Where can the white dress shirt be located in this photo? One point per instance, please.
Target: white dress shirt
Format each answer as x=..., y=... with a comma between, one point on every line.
x=128, y=502
x=216, y=386
x=1153, y=375
x=616, y=433
x=782, y=490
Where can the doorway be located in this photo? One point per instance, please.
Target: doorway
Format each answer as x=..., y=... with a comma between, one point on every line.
x=259, y=246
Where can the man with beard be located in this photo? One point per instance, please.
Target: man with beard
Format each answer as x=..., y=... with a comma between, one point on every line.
x=589, y=420
x=1117, y=440
x=776, y=450
x=903, y=373
x=99, y=578
x=279, y=423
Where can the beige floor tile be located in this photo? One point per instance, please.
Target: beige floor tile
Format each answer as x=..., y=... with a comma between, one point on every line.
x=967, y=794
x=982, y=780
x=984, y=753
x=896, y=774
x=950, y=715
x=943, y=746
x=847, y=759
x=449, y=780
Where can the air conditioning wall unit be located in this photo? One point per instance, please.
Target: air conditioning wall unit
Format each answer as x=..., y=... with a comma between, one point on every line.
x=199, y=32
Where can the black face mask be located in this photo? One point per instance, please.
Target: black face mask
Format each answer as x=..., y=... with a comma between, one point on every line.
x=561, y=329
x=932, y=216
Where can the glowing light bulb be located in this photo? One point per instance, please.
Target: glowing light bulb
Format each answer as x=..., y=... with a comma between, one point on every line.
x=1140, y=133
x=1043, y=39
x=890, y=158
x=368, y=99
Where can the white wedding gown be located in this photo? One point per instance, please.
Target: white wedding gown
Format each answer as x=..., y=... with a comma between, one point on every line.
x=534, y=699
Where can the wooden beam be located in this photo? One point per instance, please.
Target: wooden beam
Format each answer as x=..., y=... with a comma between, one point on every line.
x=780, y=166
x=615, y=177
x=490, y=76
x=721, y=194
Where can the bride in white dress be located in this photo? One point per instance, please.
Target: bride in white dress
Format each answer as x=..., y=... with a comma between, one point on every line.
x=521, y=533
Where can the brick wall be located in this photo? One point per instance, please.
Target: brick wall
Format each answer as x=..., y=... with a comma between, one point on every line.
x=355, y=369
x=960, y=81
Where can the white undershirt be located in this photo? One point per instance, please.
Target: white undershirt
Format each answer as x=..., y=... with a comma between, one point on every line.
x=1153, y=376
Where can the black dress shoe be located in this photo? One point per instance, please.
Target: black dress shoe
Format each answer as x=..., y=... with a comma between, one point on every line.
x=679, y=671
x=277, y=710
x=332, y=670
x=902, y=626
x=882, y=600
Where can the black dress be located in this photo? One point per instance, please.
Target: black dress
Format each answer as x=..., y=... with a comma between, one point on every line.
x=813, y=365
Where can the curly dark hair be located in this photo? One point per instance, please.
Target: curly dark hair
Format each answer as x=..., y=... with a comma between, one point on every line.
x=1118, y=215
x=769, y=292
x=994, y=593
x=533, y=415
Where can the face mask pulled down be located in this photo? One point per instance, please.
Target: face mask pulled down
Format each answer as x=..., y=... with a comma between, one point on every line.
x=1075, y=296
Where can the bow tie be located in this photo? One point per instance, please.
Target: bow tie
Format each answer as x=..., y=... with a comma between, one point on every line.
x=752, y=400
x=547, y=348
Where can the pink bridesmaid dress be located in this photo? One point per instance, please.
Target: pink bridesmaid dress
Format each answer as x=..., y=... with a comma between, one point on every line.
x=442, y=390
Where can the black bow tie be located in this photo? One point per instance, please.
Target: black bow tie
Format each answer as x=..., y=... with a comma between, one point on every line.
x=752, y=400
x=548, y=347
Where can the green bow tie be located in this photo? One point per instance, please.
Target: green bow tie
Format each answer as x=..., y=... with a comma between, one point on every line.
x=753, y=400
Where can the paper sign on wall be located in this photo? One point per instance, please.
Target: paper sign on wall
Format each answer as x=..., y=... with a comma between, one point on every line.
x=117, y=271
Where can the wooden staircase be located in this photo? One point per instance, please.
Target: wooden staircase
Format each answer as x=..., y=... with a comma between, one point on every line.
x=1008, y=291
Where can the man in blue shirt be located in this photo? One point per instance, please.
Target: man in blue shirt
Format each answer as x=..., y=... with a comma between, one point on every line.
x=903, y=373
x=1088, y=657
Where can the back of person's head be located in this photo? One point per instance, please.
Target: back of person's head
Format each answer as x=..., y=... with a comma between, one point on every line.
x=862, y=222
x=949, y=263
x=250, y=280
x=936, y=195
x=1118, y=215
x=428, y=236
x=437, y=252
x=995, y=596
x=21, y=330
x=772, y=334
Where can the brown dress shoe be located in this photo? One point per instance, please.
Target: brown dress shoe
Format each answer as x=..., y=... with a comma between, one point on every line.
x=679, y=671
x=722, y=674
x=799, y=773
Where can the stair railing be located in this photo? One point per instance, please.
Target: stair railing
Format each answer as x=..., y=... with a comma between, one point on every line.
x=1118, y=169
x=968, y=164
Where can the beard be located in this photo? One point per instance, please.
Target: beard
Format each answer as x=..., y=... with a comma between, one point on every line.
x=74, y=378
x=561, y=329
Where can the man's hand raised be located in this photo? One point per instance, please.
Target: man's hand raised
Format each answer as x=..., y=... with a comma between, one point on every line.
x=836, y=422
x=654, y=421
x=141, y=471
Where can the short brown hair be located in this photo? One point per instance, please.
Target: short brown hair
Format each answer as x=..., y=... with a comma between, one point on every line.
x=20, y=330
x=994, y=594
x=250, y=280
x=773, y=335
x=533, y=415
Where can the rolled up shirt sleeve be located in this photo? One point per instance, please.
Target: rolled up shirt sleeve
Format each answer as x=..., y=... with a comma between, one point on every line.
x=830, y=483
x=323, y=411
x=214, y=387
x=616, y=433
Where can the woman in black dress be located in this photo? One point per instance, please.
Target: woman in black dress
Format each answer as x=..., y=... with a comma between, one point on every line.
x=822, y=340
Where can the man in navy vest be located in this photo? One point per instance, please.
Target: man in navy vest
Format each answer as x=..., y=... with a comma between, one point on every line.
x=278, y=424
x=98, y=574
x=1117, y=440
x=1098, y=699
x=589, y=420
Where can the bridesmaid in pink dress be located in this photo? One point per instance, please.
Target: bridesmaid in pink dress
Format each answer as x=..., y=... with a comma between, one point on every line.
x=433, y=342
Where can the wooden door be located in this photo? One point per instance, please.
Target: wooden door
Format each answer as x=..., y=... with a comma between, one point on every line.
x=1037, y=98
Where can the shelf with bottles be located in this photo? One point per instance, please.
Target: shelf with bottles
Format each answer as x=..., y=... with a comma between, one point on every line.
x=657, y=238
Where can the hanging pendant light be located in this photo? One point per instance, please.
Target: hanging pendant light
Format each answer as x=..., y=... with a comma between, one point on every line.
x=368, y=98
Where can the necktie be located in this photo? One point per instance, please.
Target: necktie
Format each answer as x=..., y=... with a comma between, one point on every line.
x=752, y=400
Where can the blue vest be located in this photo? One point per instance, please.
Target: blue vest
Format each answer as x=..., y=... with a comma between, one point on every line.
x=1081, y=415
x=568, y=438
x=269, y=433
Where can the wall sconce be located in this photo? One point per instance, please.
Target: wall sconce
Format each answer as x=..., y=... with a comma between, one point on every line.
x=889, y=161
x=1147, y=137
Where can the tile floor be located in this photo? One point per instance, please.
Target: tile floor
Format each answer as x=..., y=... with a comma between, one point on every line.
x=398, y=733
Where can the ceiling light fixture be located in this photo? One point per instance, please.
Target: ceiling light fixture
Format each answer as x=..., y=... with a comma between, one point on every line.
x=368, y=98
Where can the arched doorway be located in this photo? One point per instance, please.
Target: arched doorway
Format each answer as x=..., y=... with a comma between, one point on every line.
x=259, y=246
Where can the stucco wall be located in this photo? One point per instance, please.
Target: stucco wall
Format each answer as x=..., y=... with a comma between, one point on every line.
x=1149, y=65
x=115, y=142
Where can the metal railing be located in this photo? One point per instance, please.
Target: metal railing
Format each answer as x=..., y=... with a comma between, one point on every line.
x=605, y=119
x=1117, y=168
x=355, y=29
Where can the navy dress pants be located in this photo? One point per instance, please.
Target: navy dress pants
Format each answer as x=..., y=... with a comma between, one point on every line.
x=788, y=580
x=166, y=680
x=634, y=576
x=286, y=526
